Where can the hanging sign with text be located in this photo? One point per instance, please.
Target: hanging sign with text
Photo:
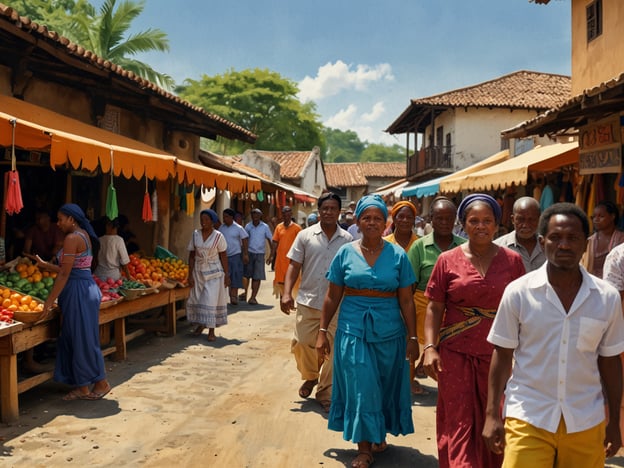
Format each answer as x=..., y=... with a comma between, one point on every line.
x=600, y=147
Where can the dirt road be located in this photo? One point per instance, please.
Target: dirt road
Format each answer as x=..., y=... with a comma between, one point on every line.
x=182, y=401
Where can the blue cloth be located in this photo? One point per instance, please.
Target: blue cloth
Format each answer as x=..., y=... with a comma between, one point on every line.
x=212, y=214
x=496, y=209
x=369, y=201
x=371, y=387
x=235, y=270
x=79, y=359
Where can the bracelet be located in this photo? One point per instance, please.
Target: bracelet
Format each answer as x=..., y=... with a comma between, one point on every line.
x=427, y=346
x=413, y=338
x=323, y=330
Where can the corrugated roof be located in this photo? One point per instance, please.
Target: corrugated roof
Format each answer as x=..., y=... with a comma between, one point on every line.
x=50, y=44
x=356, y=174
x=519, y=90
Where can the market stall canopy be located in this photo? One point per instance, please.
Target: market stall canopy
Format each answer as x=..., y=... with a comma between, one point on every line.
x=298, y=194
x=450, y=184
x=515, y=170
x=87, y=147
x=423, y=189
x=395, y=188
x=198, y=174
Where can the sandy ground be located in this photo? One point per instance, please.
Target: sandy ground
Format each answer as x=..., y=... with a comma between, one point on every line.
x=183, y=401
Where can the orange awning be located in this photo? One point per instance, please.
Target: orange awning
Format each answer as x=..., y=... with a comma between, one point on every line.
x=84, y=146
x=515, y=170
x=192, y=173
x=80, y=145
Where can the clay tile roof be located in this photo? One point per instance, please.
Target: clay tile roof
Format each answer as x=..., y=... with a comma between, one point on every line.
x=518, y=90
x=292, y=163
x=356, y=174
x=383, y=169
x=65, y=46
x=522, y=89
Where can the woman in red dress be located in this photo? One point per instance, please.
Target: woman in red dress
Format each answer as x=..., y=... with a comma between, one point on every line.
x=464, y=291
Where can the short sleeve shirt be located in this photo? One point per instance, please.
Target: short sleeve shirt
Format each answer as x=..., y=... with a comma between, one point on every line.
x=555, y=371
x=234, y=235
x=532, y=261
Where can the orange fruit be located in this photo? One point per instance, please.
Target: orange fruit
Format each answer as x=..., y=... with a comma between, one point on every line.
x=6, y=303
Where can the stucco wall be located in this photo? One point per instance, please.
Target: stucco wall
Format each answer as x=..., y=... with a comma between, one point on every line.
x=603, y=58
x=475, y=133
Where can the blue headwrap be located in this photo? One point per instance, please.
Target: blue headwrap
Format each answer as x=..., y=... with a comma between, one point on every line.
x=369, y=201
x=482, y=197
x=211, y=213
x=73, y=210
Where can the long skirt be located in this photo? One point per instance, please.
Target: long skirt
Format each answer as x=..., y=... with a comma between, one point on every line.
x=371, y=389
x=207, y=302
x=79, y=360
x=462, y=397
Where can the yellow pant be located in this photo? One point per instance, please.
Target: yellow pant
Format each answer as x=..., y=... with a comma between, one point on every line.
x=307, y=323
x=529, y=446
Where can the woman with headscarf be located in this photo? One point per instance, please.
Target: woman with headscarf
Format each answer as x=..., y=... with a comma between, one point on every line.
x=605, y=237
x=464, y=291
x=371, y=280
x=79, y=360
x=206, y=306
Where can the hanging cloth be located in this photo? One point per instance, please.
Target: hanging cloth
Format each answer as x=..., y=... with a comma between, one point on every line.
x=190, y=201
x=13, y=203
x=147, y=205
x=155, y=205
x=112, y=212
x=182, y=195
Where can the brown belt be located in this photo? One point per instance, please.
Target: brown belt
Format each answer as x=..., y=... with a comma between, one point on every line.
x=368, y=292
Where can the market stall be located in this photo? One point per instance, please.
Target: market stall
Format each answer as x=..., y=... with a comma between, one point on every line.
x=20, y=337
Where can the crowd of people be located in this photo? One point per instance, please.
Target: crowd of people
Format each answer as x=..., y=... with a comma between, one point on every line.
x=521, y=332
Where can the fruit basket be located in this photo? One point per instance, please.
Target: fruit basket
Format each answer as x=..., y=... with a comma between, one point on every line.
x=111, y=303
x=132, y=294
x=168, y=283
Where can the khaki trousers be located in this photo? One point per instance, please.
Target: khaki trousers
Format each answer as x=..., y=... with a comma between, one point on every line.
x=303, y=346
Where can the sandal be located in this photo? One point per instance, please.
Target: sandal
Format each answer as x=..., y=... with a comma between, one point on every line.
x=418, y=389
x=93, y=395
x=378, y=448
x=252, y=302
x=325, y=404
x=306, y=388
x=363, y=460
x=198, y=330
x=76, y=394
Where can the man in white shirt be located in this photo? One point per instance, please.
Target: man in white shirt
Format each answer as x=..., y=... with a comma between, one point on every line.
x=259, y=234
x=562, y=329
x=237, y=251
x=523, y=239
x=311, y=254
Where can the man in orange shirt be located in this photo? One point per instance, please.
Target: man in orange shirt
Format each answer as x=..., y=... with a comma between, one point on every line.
x=283, y=237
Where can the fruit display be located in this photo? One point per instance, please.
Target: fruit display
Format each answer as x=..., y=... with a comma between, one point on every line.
x=25, y=277
x=109, y=288
x=6, y=315
x=15, y=301
x=151, y=270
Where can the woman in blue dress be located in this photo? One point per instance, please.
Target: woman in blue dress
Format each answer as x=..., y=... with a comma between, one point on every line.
x=376, y=332
x=79, y=360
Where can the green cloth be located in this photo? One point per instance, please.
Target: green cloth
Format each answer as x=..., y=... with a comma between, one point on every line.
x=111, y=203
x=423, y=255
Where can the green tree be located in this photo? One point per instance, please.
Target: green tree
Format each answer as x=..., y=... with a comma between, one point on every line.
x=381, y=153
x=343, y=146
x=104, y=32
x=261, y=101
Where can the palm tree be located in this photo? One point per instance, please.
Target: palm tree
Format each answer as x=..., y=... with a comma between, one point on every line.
x=104, y=34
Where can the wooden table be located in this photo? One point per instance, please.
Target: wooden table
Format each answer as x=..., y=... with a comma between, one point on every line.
x=27, y=336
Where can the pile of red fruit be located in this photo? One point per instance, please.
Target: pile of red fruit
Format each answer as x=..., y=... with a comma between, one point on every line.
x=108, y=288
x=6, y=315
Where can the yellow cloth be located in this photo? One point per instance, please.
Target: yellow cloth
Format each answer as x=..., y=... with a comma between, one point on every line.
x=421, y=310
x=527, y=445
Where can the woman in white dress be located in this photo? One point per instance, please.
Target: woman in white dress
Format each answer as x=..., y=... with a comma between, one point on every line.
x=206, y=306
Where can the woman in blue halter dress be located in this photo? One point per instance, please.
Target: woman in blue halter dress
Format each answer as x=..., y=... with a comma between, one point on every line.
x=79, y=360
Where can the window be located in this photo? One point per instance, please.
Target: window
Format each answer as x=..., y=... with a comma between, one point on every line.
x=594, y=20
x=439, y=136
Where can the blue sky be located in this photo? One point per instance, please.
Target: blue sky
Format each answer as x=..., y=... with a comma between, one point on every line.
x=361, y=61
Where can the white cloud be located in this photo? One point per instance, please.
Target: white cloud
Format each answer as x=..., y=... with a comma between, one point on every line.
x=376, y=112
x=363, y=124
x=332, y=78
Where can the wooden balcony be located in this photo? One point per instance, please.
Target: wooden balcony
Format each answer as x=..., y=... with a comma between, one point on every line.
x=432, y=160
